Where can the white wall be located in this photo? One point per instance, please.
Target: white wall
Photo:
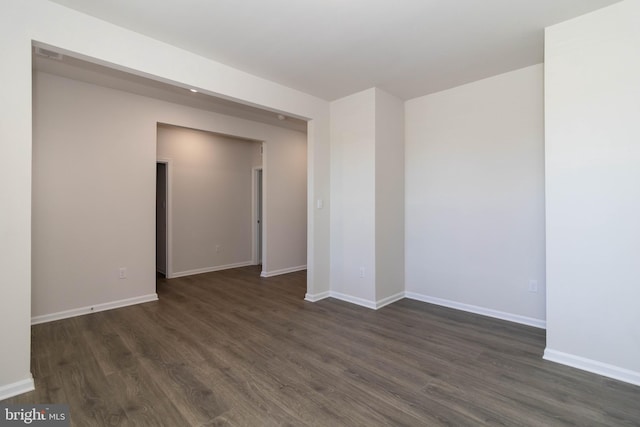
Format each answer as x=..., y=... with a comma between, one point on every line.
x=592, y=112
x=21, y=22
x=94, y=194
x=475, y=196
x=353, y=196
x=15, y=192
x=367, y=210
x=211, y=199
x=389, y=204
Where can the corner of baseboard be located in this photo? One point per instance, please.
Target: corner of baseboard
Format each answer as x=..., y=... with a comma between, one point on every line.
x=354, y=300
x=19, y=387
x=593, y=366
x=282, y=271
x=389, y=300
x=316, y=297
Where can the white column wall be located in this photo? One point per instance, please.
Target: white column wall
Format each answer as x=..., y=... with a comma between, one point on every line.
x=15, y=192
x=353, y=142
x=389, y=205
x=367, y=211
x=592, y=115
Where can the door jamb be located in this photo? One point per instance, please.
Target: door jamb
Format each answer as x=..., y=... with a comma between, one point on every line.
x=169, y=231
x=254, y=216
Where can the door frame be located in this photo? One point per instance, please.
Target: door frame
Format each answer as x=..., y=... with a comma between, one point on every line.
x=168, y=228
x=256, y=173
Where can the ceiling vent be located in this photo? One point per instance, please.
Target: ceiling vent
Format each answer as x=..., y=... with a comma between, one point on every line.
x=48, y=53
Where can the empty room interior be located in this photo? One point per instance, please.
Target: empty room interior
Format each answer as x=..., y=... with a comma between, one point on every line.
x=314, y=213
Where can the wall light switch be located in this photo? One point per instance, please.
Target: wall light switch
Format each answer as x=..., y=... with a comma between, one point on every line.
x=319, y=204
x=533, y=285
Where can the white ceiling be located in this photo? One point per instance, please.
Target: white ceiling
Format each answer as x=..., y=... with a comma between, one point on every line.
x=333, y=48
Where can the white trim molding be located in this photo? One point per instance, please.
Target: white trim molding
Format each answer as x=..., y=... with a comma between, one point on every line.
x=19, y=387
x=593, y=366
x=93, y=309
x=210, y=269
x=255, y=225
x=317, y=297
x=282, y=271
x=169, y=224
x=389, y=300
x=529, y=321
x=353, y=300
x=374, y=305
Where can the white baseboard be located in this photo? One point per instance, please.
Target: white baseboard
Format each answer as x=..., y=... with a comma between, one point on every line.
x=389, y=300
x=593, y=366
x=529, y=321
x=353, y=300
x=374, y=305
x=283, y=271
x=316, y=297
x=209, y=269
x=93, y=309
x=19, y=387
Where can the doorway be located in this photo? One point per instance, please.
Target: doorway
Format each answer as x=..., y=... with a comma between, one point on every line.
x=258, y=217
x=162, y=247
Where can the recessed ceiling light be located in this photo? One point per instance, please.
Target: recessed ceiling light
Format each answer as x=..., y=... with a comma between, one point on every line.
x=194, y=90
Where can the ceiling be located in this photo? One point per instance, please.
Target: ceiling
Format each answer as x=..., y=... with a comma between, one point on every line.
x=333, y=48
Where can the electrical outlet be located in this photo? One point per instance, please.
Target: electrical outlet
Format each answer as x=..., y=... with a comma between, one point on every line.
x=361, y=272
x=122, y=273
x=218, y=248
x=533, y=285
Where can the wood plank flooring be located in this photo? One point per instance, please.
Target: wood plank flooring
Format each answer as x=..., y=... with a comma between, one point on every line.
x=231, y=348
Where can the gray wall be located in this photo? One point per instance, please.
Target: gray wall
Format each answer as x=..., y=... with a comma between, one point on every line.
x=211, y=198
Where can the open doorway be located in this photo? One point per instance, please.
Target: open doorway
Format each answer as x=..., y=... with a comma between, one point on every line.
x=162, y=215
x=258, y=220
x=212, y=200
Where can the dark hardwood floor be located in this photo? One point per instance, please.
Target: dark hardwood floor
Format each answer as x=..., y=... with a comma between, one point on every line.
x=230, y=348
